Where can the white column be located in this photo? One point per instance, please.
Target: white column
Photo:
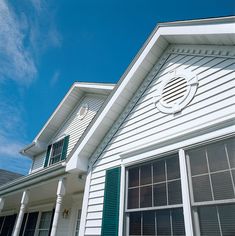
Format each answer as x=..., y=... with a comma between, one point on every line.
x=61, y=189
x=2, y=201
x=185, y=194
x=24, y=203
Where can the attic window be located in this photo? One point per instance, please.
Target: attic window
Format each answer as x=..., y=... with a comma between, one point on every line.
x=176, y=91
x=83, y=111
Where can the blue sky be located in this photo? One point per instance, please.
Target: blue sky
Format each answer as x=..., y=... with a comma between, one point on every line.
x=46, y=45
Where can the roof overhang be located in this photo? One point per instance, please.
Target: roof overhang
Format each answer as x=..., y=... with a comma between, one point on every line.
x=215, y=31
x=63, y=110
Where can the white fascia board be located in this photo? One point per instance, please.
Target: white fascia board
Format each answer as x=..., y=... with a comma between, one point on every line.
x=210, y=29
x=102, y=86
x=78, y=162
x=82, y=87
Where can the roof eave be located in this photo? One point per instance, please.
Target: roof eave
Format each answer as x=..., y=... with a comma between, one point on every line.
x=134, y=75
x=37, y=145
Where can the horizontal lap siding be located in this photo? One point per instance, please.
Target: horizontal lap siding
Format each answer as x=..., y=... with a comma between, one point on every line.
x=214, y=99
x=38, y=162
x=74, y=127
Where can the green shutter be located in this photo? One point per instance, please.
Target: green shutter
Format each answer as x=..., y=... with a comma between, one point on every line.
x=111, y=203
x=65, y=148
x=47, y=156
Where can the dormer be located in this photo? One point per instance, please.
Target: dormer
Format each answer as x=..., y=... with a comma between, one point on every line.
x=66, y=125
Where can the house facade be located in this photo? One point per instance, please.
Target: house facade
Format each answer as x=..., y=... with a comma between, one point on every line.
x=158, y=158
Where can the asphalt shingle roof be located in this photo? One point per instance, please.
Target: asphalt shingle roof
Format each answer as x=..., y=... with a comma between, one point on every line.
x=7, y=176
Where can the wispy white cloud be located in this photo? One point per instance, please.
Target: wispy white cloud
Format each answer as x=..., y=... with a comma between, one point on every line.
x=55, y=78
x=25, y=34
x=16, y=61
x=10, y=148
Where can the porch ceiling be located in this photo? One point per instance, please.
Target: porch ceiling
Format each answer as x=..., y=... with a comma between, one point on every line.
x=44, y=192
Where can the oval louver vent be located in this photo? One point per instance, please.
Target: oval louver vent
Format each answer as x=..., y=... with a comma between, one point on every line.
x=83, y=111
x=176, y=91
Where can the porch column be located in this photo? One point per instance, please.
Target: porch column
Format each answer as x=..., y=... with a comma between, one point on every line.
x=61, y=189
x=2, y=201
x=24, y=203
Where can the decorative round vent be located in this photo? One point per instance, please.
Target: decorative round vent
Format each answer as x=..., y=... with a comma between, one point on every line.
x=176, y=91
x=83, y=111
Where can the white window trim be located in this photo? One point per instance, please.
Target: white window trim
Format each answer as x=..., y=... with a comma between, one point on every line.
x=180, y=147
x=146, y=152
x=188, y=221
x=187, y=208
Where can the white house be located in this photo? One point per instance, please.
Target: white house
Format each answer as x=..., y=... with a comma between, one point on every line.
x=158, y=158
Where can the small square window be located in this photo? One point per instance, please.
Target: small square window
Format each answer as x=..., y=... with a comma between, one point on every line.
x=56, y=151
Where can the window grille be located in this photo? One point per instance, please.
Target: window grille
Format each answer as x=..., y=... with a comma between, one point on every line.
x=154, y=201
x=212, y=172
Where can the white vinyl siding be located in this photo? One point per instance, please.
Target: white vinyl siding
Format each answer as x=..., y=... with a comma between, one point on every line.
x=74, y=126
x=38, y=162
x=214, y=100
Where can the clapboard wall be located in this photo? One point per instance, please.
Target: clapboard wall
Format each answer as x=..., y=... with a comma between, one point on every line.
x=145, y=123
x=74, y=126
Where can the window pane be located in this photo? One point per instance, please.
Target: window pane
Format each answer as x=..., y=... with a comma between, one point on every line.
x=217, y=157
x=8, y=225
x=1, y=222
x=57, y=147
x=145, y=174
x=23, y=224
x=201, y=188
x=135, y=223
x=163, y=222
x=174, y=192
x=146, y=196
x=209, y=225
x=43, y=233
x=149, y=223
x=159, y=172
x=133, y=175
x=227, y=219
x=178, y=222
x=173, y=169
x=233, y=172
x=45, y=220
x=133, y=198
x=222, y=185
x=159, y=193
x=231, y=151
x=31, y=224
x=198, y=163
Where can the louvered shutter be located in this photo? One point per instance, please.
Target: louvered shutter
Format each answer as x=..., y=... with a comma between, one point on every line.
x=47, y=156
x=65, y=148
x=111, y=203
